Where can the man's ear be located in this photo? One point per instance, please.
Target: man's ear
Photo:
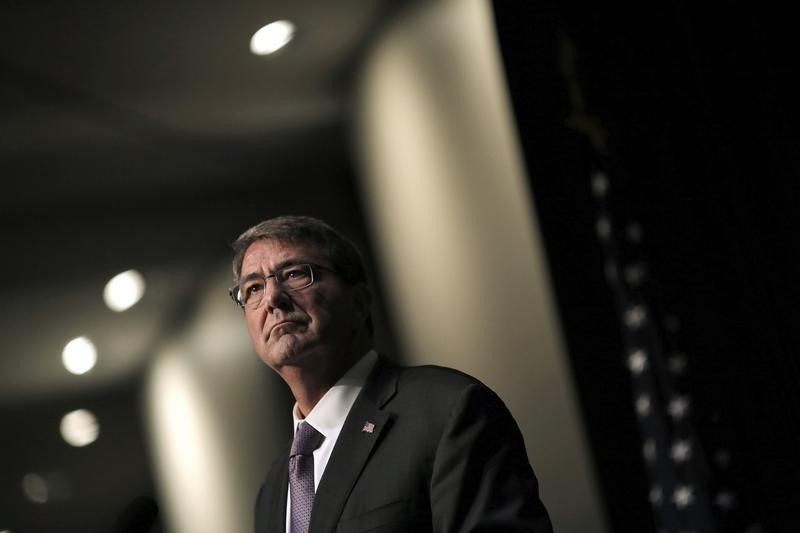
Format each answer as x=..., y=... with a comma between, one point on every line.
x=362, y=301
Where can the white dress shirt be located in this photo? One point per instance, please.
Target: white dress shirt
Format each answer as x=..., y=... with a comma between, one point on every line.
x=328, y=417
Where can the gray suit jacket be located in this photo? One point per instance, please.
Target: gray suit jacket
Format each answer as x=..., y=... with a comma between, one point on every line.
x=444, y=454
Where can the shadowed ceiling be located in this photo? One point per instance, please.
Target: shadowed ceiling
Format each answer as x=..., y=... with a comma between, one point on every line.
x=145, y=136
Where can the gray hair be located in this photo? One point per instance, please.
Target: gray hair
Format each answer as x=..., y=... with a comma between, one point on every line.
x=342, y=253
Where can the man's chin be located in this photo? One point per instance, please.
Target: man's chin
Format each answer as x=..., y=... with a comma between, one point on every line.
x=287, y=352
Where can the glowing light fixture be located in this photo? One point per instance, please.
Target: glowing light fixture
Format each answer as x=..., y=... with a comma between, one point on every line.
x=80, y=428
x=35, y=488
x=271, y=37
x=124, y=290
x=79, y=355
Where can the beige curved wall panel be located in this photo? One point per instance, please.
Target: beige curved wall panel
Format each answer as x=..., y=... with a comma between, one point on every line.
x=458, y=242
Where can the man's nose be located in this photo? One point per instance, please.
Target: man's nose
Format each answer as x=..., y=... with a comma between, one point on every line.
x=275, y=296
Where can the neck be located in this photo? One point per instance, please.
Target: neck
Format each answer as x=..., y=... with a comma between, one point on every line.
x=310, y=382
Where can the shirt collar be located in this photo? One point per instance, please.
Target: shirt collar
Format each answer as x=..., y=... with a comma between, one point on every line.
x=329, y=414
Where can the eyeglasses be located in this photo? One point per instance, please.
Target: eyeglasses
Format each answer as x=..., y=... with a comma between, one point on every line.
x=250, y=293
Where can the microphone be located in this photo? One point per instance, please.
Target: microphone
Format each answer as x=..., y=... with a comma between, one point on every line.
x=137, y=517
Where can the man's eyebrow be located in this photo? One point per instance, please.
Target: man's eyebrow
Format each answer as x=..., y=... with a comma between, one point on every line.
x=282, y=264
x=250, y=276
x=294, y=261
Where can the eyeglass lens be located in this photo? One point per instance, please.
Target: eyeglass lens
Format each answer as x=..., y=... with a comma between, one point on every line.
x=292, y=278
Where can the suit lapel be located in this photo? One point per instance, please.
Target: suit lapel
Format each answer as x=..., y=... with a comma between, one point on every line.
x=361, y=432
x=276, y=485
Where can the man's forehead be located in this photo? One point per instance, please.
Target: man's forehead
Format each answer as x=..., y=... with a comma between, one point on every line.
x=270, y=253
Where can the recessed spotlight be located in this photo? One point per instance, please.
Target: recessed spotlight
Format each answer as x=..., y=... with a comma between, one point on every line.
x=79, y=355
x=271, y=37
x=80, y=428
x=124, y=290
x=35, y=488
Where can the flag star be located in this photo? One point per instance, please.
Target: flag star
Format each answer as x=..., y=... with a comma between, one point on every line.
x=649, y=450
x=634, y=274
x=683, y=496
x=677, y=363
x=634, y=232
x=637, y=361
x=681, y=451
x=634, y=316
x=643, y=405
x=599, y=184
x=603, y=227
x=678, y=407
x=656, y=495
x=725, y=500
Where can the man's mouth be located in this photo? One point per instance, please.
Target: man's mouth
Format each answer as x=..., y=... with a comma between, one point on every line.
x=282, y=323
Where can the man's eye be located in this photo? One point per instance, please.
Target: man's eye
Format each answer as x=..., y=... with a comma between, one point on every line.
x=294, y=273
x=252, y=288
x=295, y=277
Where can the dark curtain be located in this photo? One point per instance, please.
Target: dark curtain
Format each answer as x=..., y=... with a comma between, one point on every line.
x=662, y=147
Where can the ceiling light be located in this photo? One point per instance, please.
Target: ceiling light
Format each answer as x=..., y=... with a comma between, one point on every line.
x=80, y=428
x=79, y=355
x=271, y=37
x=124, y=290
x=35, y=488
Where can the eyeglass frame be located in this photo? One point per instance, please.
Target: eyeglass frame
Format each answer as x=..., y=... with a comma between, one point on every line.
x=311, y=266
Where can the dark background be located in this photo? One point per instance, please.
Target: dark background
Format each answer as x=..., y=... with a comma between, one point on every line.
x=144, y=136
x=697, y=109
x=128, y=139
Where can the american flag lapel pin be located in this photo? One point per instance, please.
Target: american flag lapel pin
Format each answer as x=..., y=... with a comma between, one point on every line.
x=369, y=427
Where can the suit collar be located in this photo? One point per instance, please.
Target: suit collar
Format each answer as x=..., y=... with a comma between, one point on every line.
x=381, y=384
x=277, y=485
x=360, y=434
x=330, y=412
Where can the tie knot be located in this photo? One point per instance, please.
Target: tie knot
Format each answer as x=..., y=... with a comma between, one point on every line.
x=306, y=440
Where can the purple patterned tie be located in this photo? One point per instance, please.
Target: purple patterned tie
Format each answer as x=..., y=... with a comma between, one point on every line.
x=301, y=475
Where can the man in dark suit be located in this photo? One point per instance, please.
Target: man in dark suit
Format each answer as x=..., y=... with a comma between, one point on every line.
x=377, y=447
